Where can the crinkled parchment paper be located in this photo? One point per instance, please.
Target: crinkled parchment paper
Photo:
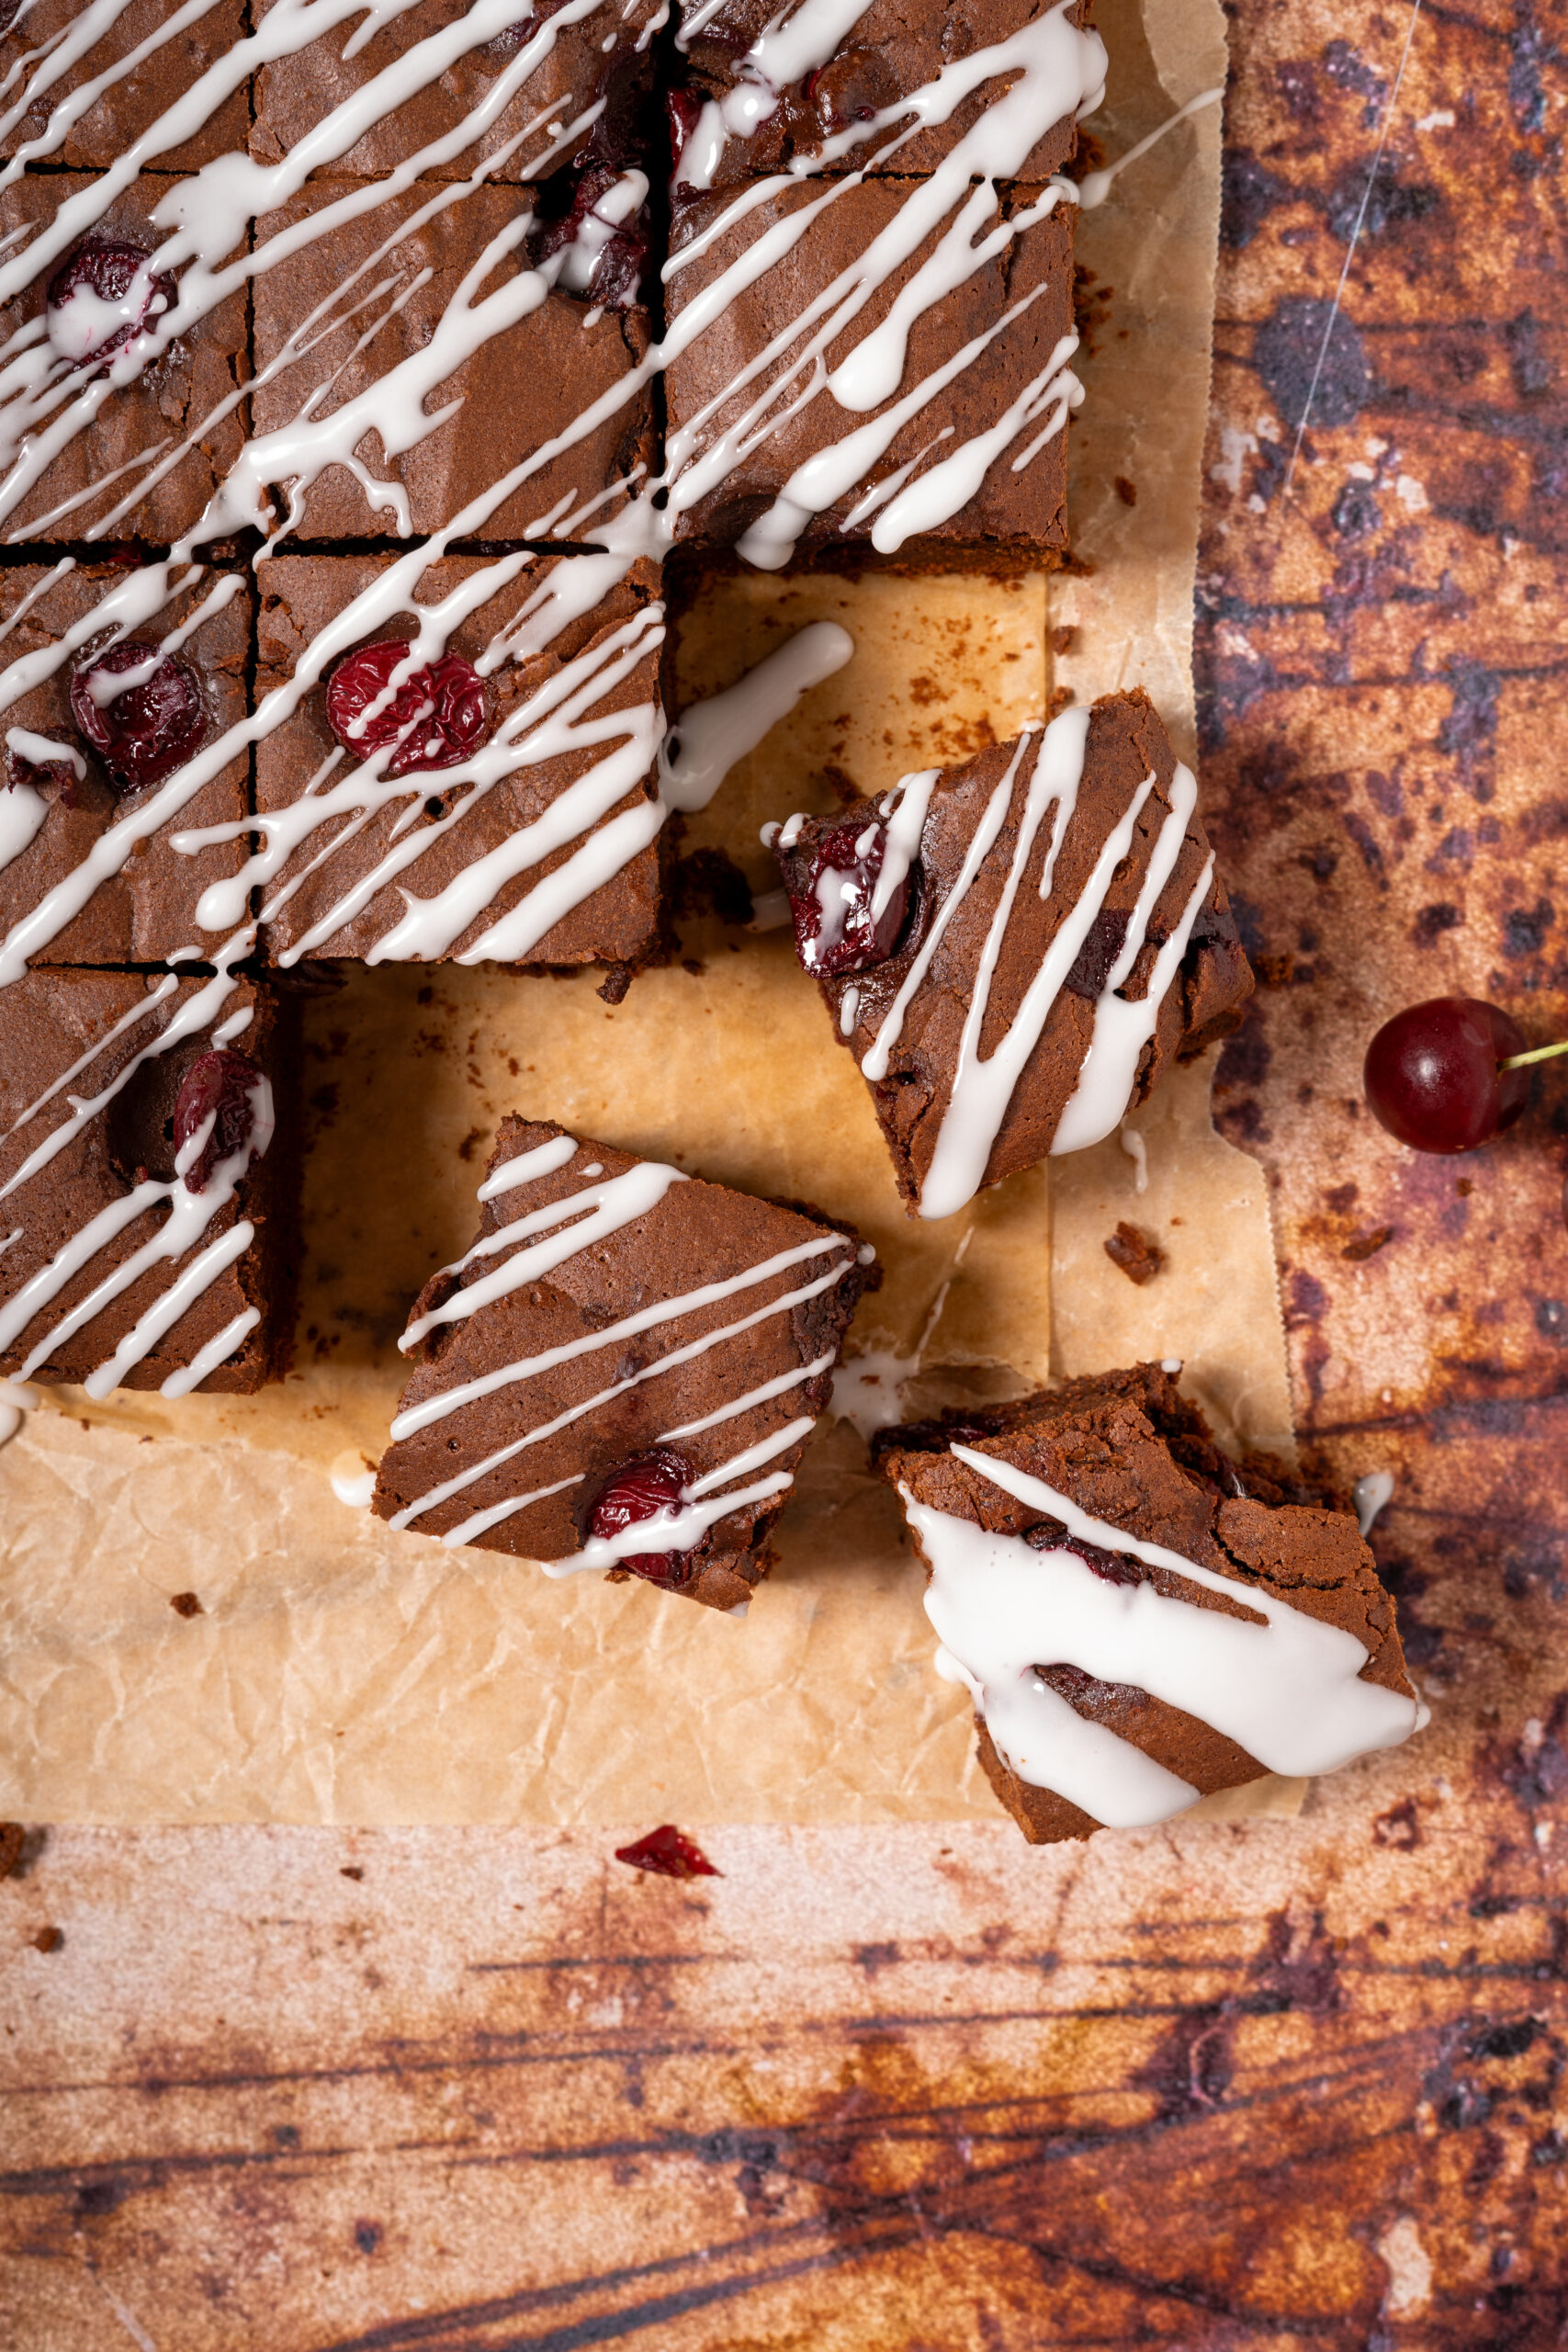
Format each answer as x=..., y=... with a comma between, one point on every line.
x=337, y=1671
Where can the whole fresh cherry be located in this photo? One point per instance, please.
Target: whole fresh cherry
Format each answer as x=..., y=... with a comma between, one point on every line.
x=447, y=699
x=837, y=928
x=1436, y=1075
x=101, y=297
x=225, y=1088
x=641, y=1489
x=146, y=728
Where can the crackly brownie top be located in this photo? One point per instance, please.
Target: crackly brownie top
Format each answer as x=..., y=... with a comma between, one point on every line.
x=1100, y=1529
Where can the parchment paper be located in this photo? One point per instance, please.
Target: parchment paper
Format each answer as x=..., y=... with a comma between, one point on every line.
x=339, y=1672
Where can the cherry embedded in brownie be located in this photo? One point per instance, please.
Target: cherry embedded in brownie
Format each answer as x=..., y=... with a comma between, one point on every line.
x=1141, y=1617
x=88, y=748
x=149, y=1174
x=767, y=89
x=1014, y=950
x=118, y=427
x=622, y=1371
x=500, y=802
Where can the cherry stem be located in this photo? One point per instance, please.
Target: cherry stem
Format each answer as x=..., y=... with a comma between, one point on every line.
x=1540, y=1054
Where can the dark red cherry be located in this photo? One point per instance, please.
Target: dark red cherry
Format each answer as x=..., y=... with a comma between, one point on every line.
x=618, y=267
x=151, y=727
x=639, y=1489
x=220, y=1086
x=447, y=699
x=669, y=1852
x=683, y=109
x=104, y=270
x=1434, y=1079
x=834, y=931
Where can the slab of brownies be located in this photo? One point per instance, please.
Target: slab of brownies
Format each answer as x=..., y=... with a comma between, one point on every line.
x=1141, y=1617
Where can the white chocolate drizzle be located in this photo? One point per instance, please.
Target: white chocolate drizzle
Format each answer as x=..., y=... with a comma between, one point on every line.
x=1285, y=1686
x=544, y=1239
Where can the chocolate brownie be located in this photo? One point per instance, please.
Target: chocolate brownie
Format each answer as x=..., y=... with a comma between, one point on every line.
x=104, y=457
x=948, y=447
x=779, y=105
x=524, y=372
x=1014, y=950
x=149, y=1164
x=1141, y=1617
x=558, y=64
x=139, y=65
x=621, y=1345
x=514, y=822
x=80, y=777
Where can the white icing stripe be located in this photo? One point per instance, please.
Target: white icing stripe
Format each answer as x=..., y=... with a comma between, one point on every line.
x=648, y=1318
x=482, y=1522
x=762, y=1395
x=710, y=737
x=462, y=1479
x=529, y=1166
x=1287, y=1690
x=602, y=1209
x=679, y=1531
x=218, y=1351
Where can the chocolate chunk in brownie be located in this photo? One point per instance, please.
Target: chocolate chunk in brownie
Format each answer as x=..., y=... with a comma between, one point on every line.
x=149, y=1174
x=1012, y=951
x=141, y=63
x=447, y=280
x=936, y=437
x=1140, y=1617
x=780, y=103
x=556, y=68
x=512, y=818
x=140, y=458
x=622, y=1372
x=79, y=775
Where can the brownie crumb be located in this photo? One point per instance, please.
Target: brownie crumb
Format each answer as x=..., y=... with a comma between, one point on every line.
x=471, y=1141
x=351, y=1870
x=48, y=1939
x=185, y=1604
x=1127, y=491
x=1063, y=639
x=1139, y=1256
x=616, y=982
x=13, y=1837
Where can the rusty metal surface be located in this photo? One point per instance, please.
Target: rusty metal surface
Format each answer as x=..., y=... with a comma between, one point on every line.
x=1274, y=2085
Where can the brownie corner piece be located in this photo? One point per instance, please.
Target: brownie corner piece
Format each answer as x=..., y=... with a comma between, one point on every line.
x=622, y=1372
x=1056, y=899
x=150, y=1169
x=1141, y=1617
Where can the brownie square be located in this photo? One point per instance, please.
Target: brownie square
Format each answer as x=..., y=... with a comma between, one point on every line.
x=91, y=1065
x=1079, y=1540
x=894, y=48
x=620, y=1344
x=941, y=406
x=130, y=103
x=572, y=641
x=933, y=992
x=526, y=384
x=108, y=477
x=55, y=818
x=580, y=62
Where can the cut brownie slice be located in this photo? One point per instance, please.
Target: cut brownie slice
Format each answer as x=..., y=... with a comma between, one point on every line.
x=84, y=456
x=622, y=1372
x=769, y=89
x=1014, y=951
x=124, y=74
x=424, y=306
x=89, y=776
x=148, y=1180
x=503, y=804
x=556, y=64
x=1141, y=1618
x=880, y=365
